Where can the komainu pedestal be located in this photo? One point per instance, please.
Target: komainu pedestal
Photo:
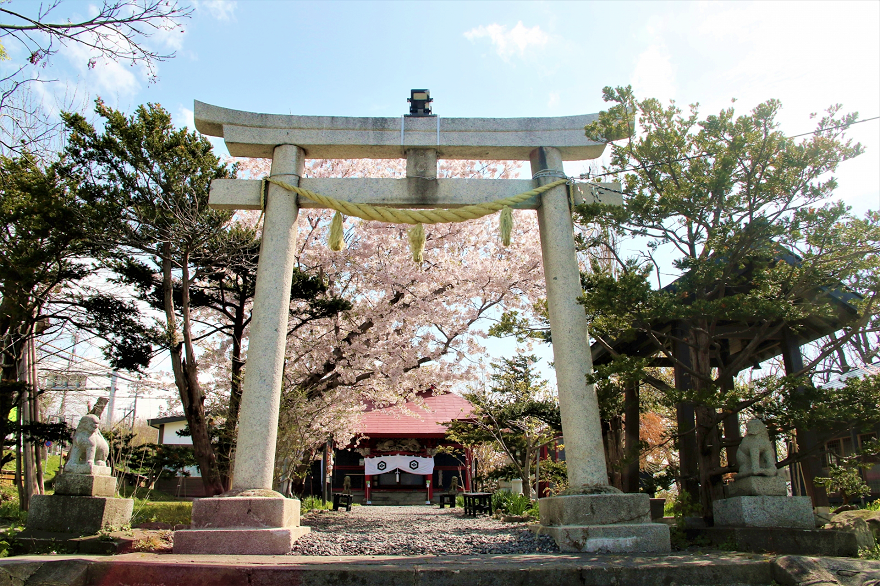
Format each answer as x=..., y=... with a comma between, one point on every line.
x=758, y=497
x=253, y=522
x=603, y=523
x=84, y=501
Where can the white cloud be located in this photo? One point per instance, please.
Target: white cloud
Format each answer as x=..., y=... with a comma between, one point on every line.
x=185, y=117
x=654, y=74
x=219, y=9
x=101, y=75
x=553, y=100
x=507, y=43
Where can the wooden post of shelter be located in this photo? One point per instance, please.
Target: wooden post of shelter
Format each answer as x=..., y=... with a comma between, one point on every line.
x=685, y=418
x=631, y=438
x=807, y=440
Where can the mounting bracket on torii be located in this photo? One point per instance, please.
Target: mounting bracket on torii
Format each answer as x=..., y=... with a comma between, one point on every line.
x=422, y=140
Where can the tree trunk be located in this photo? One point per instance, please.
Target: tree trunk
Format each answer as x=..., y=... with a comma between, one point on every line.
x=35, y=416
x=612, y=436
x=526, y=474
x=237, y=367
x=185, y=371
x=230, y=427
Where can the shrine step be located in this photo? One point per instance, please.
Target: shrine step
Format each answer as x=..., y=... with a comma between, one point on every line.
x=703, y=569
x=400, y=498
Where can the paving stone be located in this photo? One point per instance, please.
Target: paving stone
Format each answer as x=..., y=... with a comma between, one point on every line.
x=622, y=538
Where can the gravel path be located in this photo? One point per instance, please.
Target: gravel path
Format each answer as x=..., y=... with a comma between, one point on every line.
x=414, y=531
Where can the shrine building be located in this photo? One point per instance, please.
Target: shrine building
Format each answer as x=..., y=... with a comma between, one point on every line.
x=400, y=455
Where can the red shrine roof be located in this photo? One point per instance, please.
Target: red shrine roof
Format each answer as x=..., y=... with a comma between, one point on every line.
x=412, y=419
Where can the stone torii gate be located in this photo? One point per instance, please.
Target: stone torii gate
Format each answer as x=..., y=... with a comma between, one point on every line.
x=254, y=519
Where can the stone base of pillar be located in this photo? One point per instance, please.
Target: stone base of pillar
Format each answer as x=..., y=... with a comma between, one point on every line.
x=603, y=523
x=237, y=541
x=242, y=525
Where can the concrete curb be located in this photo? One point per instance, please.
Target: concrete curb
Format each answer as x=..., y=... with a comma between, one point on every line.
x=485, y=570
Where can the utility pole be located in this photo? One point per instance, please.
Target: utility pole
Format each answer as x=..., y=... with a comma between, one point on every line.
x=137, y=390
x=111, y=404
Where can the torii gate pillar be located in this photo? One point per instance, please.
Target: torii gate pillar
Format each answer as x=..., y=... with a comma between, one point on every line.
x=578, y=405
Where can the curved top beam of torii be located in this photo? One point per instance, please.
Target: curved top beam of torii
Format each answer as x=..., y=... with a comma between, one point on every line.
x=249, y=134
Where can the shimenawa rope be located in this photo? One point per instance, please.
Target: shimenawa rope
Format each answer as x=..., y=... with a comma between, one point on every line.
x=416, y=234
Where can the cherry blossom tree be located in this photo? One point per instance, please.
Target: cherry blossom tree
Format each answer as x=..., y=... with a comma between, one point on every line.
x=411, y=325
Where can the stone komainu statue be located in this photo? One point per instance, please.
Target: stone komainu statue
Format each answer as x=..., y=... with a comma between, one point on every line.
x=346, y=485
x=755, y=455
x=453, y=485
x=89, y=448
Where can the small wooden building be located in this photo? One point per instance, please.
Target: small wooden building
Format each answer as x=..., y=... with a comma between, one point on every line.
x=400, y=454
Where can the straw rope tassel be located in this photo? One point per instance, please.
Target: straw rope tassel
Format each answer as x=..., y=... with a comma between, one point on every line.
x=416, y=237
x=336, y=240
x=505, y=225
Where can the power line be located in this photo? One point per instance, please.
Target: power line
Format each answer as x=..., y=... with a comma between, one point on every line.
x=688, y=158
x=107, y=369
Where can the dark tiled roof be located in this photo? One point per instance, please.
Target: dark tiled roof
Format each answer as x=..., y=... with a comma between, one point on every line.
x=159, y=421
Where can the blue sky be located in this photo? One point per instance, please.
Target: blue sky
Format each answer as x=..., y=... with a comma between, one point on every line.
x=506, y=59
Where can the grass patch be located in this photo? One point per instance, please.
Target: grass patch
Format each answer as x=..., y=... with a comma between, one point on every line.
x=10, y=514
x=170, y=512
x=146, y=494
x=50, y=470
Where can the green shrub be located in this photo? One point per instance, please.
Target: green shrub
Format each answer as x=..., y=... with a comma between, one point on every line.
x=683, y=507
x=510, y=504
x=870, y=553
x=311, y=502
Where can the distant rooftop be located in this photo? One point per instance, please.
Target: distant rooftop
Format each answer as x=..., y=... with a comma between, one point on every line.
x=840, y=381
x=413, y=419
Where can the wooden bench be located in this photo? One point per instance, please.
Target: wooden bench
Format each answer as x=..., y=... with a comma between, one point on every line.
x=476, y=503
x=447, y=499
x=342, y=500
